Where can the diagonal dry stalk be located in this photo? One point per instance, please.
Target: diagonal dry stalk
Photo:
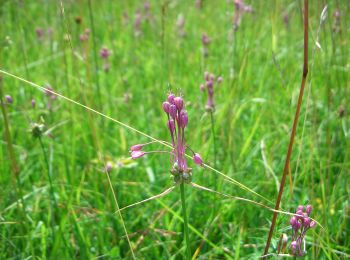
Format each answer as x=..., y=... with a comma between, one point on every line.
x=295, y=124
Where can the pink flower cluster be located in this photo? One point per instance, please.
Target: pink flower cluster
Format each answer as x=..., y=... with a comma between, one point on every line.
x=300, y=223
x=177, y=122
x=210, y=80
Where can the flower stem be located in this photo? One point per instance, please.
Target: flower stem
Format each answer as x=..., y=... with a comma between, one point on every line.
x=214, y=142
x=183, y=201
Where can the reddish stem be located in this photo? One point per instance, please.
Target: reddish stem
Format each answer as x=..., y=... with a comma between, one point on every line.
x=294, y=128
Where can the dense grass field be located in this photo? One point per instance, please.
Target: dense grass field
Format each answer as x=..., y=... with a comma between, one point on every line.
x=64, y=159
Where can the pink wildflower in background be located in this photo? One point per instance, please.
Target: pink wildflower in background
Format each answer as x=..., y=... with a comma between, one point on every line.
x=210, y=81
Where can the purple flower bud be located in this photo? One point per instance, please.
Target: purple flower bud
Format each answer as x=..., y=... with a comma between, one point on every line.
x=179, y=103
x=109, y=166
x=294, y=245
x=183, y=119
x=166, y=106
x=171, y=125
x=308, y=209
x=197, y=159
x=136, y=147
x=171, y=98
x=137, y=154
x=306, y=222
x=206, y=75
x=209, y=83
x=220, y=79
x=172, y=111
x=33, y=103
x=300, y=207
x=293, y=220
x=300, y=213
x=212, y=77
x=9, y=99
x=312, y=224
x=104, y=53
x=202, y=87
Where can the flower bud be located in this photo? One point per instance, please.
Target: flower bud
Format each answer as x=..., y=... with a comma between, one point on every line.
x=202, y=87
x=109, y=167
x=171, y=98
x=212, y=77
x=300, y=213
x=294, y=245
x=209, y=83
x=136, y=147
x=183, y=119
x=308, y=209
x=206, y=76
x=137, y=154
x=171, y=125
x=306, y=222
x=312, y=224
x=293, y=220
x=33, y=103
x=9, y=99
x=172, y=111
x=197, y=159
x=220, y=79
x=166, y=106
x=300, y=207
x=179, y=103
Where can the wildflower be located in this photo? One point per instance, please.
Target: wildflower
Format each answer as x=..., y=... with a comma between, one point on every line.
x=240, y=9
x=137, y=24
x=33, y=103
x=85, y=35
x=180, y=24
x=104, y=53
x=9, y=99
x=39, y=33
x=205, y=43
x=49, y=92
x=177, y=116
x=336, y=22
x=109, y=166
x=300, y=223
x=209, y=85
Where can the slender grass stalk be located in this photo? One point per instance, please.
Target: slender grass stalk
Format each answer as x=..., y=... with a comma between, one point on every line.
x=184, y=215
x=50, y=183
x=52, y=194
x=95, y=52
x=213, y=134
x=295, y=124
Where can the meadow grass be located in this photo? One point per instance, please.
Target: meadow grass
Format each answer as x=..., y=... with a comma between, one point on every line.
x=64, y=203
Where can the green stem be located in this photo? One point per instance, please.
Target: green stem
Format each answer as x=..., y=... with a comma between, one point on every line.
x=183, y=201
x=214, y=142
x=50, y=183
